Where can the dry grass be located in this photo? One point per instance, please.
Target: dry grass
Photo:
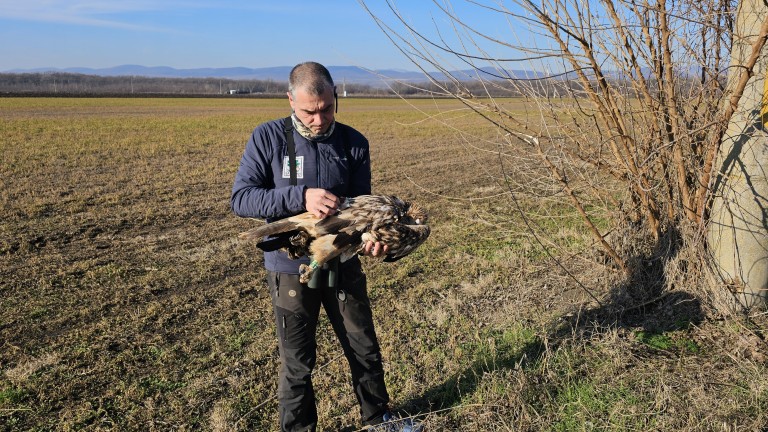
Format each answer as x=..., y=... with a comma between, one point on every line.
x=127, y=304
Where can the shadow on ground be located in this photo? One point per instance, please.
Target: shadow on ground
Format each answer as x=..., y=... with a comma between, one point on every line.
x=640, y=302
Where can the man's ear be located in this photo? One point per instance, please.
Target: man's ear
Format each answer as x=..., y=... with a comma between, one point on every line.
x=290, y=100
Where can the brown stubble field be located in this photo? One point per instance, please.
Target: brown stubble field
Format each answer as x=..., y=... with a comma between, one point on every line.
x=127, y=302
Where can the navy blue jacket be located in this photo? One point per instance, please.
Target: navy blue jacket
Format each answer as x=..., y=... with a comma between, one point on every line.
x=262, y=186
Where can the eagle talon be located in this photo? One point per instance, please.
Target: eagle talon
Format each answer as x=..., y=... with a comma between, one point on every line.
x=305, y=273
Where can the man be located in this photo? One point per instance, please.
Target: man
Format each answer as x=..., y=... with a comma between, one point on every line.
x=329, y=160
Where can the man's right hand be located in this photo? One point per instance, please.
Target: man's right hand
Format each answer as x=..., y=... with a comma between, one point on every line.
x=320, y=202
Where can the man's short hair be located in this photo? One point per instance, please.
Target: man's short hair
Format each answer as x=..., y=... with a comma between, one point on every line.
x=311, y=76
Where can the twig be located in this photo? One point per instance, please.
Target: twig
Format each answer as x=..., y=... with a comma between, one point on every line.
x=649, y=302
x=13, y=410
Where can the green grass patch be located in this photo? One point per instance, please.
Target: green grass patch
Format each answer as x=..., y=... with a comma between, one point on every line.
x=153, y=384
x=12, y=396
x=586, y=405
x=670, y=341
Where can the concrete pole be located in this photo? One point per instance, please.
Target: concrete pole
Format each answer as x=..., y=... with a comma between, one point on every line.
x=738, y=229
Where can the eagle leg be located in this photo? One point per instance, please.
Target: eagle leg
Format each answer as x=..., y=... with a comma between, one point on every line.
x=323, y=250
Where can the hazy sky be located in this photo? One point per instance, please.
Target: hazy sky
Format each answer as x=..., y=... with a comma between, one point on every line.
x=199, y=33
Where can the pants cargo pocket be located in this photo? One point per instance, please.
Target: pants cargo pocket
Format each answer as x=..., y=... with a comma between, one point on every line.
x=293, y=329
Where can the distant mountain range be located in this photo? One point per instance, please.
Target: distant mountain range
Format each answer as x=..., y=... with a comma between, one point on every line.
x=341, y=74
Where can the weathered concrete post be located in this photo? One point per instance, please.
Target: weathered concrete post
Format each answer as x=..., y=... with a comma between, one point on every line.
x=738, y=230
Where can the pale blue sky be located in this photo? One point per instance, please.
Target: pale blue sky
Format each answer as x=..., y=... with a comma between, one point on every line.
x=201, y=33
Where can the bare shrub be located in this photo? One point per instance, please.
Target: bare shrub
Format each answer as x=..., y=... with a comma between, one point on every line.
x=631, y=101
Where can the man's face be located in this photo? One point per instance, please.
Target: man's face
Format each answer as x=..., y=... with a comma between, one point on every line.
x=316, y=112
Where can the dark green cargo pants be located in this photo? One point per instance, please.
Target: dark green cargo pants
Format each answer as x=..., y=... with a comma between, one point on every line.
x=297, y=308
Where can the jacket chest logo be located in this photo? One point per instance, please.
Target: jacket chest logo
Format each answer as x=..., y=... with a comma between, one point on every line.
x=299, y=167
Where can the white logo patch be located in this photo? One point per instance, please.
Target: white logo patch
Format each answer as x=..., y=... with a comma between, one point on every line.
x=299, y=167
x=292, y=293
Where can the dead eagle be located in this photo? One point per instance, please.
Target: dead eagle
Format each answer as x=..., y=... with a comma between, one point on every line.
x=388, y=219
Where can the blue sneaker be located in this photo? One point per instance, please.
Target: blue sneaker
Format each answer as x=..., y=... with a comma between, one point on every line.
x=393, y=423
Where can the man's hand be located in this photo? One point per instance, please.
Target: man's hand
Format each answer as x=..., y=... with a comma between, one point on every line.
x=320, y=202
x=375, y=249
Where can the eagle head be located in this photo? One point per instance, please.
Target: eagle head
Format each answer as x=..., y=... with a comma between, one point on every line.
x=416, y=215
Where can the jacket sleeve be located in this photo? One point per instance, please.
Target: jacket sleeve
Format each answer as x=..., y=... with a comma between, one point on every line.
x=360, y=175
x=254, y=193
